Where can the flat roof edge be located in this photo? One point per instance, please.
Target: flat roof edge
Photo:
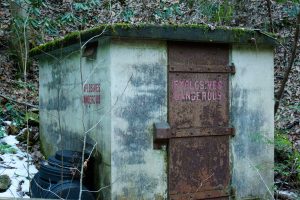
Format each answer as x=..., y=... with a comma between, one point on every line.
x=191, y=32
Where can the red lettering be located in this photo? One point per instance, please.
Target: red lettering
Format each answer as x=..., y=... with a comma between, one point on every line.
x=203, y=96
x=202, y=85
x=91, y=88
x=181, y=83
x=215, y=85
x=193, y=96
x=196, y=85
x=214, y=96
x=220, y=85
x=219, y=96
x=193, y=90
x=91, y=99
x=187, y=96
x=198, y=95
x=209, y=96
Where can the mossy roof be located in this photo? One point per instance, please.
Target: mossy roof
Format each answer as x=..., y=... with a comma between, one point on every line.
x=191, y=32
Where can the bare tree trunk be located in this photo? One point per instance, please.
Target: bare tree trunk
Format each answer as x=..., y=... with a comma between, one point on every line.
x=290, y=65
x=269, y=4
x=19, y=37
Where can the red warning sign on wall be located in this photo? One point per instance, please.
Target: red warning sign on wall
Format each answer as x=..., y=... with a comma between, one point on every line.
x=91, y=93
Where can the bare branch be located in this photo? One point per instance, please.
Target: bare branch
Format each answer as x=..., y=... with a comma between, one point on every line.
x=18, y=102
x=95, y=125
x=290, y=65
x=48, y=190
x=260, y=176
x=269, y=4
x=204, y=181
x=102, y=188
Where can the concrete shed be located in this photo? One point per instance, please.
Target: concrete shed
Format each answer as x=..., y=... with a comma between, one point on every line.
x=176, y=112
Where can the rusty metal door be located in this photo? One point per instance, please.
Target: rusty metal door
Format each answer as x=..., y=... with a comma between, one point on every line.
x=198, y=133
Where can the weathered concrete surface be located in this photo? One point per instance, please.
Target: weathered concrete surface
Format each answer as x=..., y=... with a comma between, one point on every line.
x=252, y=112
x=139, y=99
x=133, y=96
x=65, y=118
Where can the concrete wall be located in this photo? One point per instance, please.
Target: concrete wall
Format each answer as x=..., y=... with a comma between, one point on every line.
x=65, y=118
x=139, y=99
x=252, y=113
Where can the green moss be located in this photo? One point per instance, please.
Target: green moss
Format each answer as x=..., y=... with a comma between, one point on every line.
x=46, y=149
x=5, y=182
x=193, y=32
x=238, y=33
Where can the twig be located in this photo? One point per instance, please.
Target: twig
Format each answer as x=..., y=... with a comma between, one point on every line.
x=204, y=181
x=273, y=38
x=260, y=176
x=290, y=65
x=99, y=121
x=48, y=190
x=6, y=166
x=18, y=102
x=286, y=178
x=102, y=188
x=269, y=3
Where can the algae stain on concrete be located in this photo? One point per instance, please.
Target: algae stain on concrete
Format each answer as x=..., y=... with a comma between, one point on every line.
x=136, y=138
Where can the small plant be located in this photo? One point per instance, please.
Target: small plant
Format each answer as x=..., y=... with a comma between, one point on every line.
x=296, y=107
x=127, y=15
x=6, y=148
x=221, y=12
x=23, y=85
x=167, y=11
x=16, y=116
x=32, y=117
x=287, y=159
x=18, y=43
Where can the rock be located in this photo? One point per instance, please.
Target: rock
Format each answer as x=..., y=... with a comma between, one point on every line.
x=5, y=182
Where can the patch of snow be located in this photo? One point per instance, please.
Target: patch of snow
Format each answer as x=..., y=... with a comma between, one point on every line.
x=288, y=194
x=18, y=167
x=11, y=140
x=7, y=123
